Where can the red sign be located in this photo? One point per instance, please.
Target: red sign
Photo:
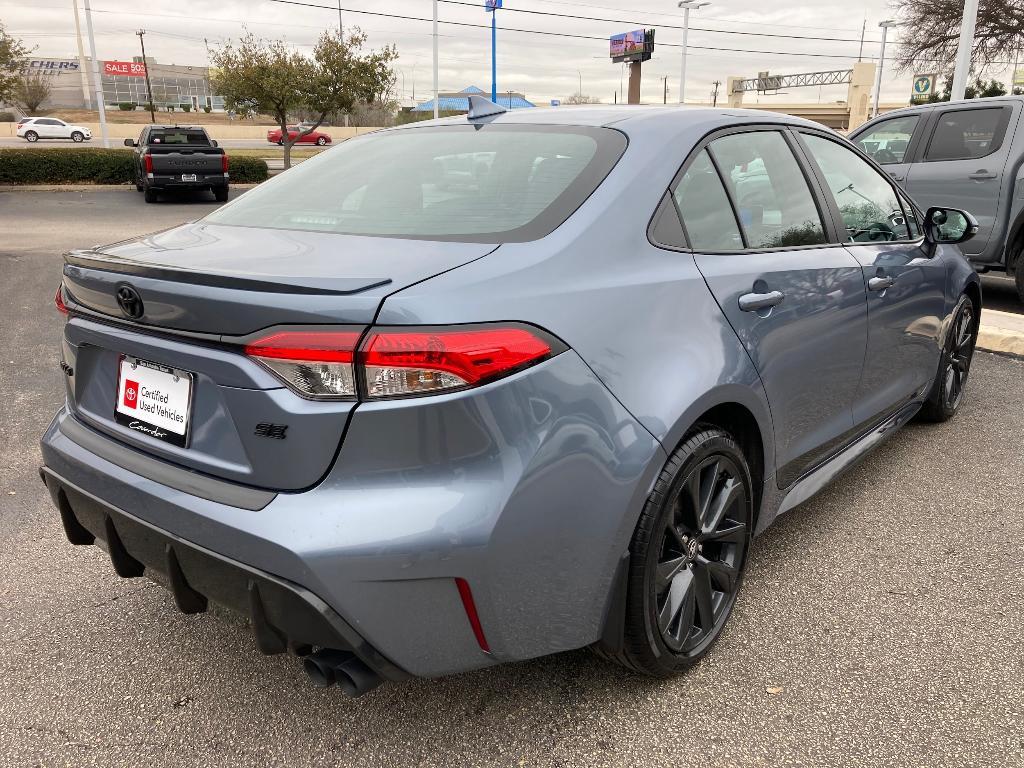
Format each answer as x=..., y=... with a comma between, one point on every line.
x=124, y=69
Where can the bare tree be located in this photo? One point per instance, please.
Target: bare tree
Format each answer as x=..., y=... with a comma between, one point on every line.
x=582, y=98
x=31, y=91
x=932, y=29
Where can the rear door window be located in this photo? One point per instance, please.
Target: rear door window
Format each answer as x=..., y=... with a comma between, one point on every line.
x=772, y=197
x=705, y=209
x=966, y=134
x=888, y=141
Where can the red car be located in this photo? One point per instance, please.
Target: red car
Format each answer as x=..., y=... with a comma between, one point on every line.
x=313, y=137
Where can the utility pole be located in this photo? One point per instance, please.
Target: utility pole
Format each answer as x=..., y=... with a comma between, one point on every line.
x=664, y=86
x=97, y=83
x=435, y=60
x=149, y=88
x=963, y=50
x=494, y=5
x=881, y=63
x=81, y=59
x=714, y=96
x=687, y=6
x=341, y=26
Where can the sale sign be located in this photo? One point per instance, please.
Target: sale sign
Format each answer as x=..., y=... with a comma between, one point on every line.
x=124, y=69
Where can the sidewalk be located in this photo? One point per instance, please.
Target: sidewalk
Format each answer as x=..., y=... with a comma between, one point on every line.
x=1001, y=332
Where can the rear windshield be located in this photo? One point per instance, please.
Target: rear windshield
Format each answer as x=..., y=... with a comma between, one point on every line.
x=177, y=136
x=491, y=183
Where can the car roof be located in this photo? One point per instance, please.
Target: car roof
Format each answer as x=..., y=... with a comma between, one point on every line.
x=986, y=102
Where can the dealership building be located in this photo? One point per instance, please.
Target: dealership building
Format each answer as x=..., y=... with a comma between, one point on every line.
x=125, y=81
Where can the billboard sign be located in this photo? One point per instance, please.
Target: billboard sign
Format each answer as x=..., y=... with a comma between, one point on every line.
x=631, y=46
x=51, y=66
x=124, y=69
x=492, y=5
x=923, y=87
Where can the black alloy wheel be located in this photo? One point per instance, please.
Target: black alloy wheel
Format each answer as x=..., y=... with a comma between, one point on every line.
x=687, y=555
x=954, y=365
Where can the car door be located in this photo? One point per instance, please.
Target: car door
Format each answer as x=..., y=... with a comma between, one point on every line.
x=962, y=167
x=46, y=127
x=906, y=289
x=794, y=297
x=891, y=143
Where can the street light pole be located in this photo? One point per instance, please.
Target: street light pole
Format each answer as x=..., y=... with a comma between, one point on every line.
x=963, y=50
x=435, y=60
x=881, y=63
x=97, y=83
x=149, y=88
x=687, y=6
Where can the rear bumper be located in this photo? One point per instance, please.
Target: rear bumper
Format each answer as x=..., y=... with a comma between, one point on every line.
x=284, y=616
x=158, y=181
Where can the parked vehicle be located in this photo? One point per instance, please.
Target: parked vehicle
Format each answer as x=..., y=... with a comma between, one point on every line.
x=968, y=154
x=313, y=137
x=170, y=157
x=32, y=129
x=416, y=428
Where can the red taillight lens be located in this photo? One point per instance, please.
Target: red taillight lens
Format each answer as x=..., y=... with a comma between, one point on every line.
x=469, y=606
x=224, y=163
x=315, y=364
x=148, y=160
x=409, y=361
x=58, y=300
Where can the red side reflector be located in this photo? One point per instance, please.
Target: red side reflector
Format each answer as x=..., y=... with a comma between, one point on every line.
x=58, y=300
x=474, y=620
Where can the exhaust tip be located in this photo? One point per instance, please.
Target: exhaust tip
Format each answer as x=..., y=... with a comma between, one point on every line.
x=327, y=667
x=320, y=673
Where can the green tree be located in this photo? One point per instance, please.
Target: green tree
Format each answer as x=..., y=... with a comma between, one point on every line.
x=931, y=32
x=979, y=88
x=31, y=91
x=12, y=58
x=269, y=77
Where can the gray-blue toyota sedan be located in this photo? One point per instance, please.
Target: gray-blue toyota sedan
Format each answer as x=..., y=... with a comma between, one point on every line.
x=493, y=387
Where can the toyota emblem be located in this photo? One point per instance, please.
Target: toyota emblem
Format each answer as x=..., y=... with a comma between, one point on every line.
x=129, y=301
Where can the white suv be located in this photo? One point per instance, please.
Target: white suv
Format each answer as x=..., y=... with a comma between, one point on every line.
x=35, y=128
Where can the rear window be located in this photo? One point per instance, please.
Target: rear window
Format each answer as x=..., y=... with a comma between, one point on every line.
x=491, y=183
x=177, y=136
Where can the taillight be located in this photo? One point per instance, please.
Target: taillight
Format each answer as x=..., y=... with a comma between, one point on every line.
x=224, y=163
x=317, y=364
x=412, y=361
x=148, y=160
x=58, y=300
x=400, y=361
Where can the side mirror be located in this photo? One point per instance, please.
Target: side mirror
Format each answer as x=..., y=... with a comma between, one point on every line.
x=214, y=143
x=130, y=143
x=949, y=226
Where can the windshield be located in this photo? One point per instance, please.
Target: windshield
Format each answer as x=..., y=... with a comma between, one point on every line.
x=491, y=183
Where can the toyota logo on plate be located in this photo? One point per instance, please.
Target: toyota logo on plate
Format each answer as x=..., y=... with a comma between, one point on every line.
x=129, y=301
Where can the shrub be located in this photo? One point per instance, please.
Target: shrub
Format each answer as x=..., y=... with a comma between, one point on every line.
x=8, y=117
x=126, y=106
x=207, y=109
x=243, y=170
x=96, y=166
x=186, y=107
x=148, y=107
x=170, y=107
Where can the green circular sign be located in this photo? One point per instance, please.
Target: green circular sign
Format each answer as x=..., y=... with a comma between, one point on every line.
x=922, y=85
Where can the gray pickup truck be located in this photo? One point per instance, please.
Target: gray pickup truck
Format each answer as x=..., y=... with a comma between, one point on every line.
x=178, y=157
x=966, y=154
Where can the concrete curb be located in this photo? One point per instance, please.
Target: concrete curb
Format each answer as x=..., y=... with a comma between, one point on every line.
x=84, y=187
x=1001, y=332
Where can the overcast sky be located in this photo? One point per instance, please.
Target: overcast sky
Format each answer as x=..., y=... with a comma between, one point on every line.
x=542, y=66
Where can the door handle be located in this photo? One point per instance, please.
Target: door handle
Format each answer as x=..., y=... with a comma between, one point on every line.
x=753, y=302
x=880, y=283
x=982, y=175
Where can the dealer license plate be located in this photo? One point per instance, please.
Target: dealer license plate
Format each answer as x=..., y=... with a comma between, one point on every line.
x=154, y=400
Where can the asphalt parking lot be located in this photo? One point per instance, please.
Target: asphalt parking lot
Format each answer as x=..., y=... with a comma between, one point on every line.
x=880, y=623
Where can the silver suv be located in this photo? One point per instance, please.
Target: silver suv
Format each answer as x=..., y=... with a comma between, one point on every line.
x=967, y=154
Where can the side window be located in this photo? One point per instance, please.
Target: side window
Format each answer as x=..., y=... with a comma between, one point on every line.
x=965, y=134
x=775, y=206
x=868, y=203
x=705, y=209
x=887, y=142
x=913, y=219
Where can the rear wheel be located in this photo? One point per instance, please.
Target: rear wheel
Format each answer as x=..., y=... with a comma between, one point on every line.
x=220, y=194
x=954, y=365
x=687, y=555
x=1018, y=279
x=77, y=136
x=321, y=141
x=151, y=195
x=31, y=136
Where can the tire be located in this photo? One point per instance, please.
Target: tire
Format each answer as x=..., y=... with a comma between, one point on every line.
x=954, y=365
x=321, y=141
x=280, y=142
x=31, y=136
x=220, y=194
x=138, y=186
x=1018, y=278
x=151, y=194
x=686, y=560
x=78, y=137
